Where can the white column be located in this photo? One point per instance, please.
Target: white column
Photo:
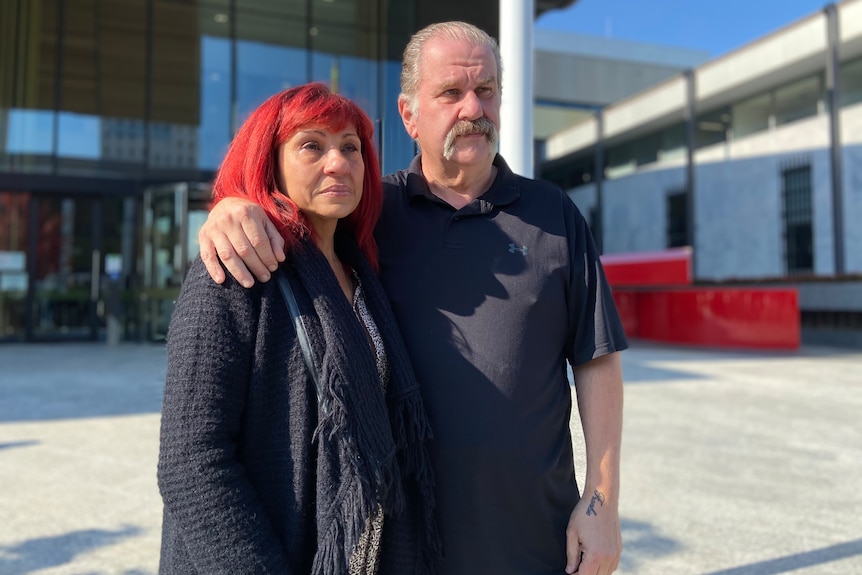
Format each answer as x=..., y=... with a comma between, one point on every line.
x=516, y=115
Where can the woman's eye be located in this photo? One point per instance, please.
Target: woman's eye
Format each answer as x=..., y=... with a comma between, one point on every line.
x=311, y=146
x=351, y=148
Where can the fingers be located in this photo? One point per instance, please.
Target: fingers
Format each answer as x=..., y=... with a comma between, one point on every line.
x=239, y=257
x=588, y=563
x=276, y=243
x=260, y=245
x=238, y=233
x=574, y=555
x=210, y=257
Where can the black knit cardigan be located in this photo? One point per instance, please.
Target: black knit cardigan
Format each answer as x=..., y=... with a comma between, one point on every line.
x=239, y=467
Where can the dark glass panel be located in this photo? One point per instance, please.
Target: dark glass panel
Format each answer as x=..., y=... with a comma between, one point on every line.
x=175, y=91
x=13, y=263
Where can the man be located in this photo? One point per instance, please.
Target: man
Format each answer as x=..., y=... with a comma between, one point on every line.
x=495, y=282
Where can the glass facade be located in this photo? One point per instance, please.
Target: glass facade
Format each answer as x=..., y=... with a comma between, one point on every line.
x=114, y=113
x=144, y=87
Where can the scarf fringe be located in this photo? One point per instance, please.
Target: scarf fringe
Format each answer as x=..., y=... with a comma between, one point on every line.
x=410, y=425
x=366, y=460
x=372, y=483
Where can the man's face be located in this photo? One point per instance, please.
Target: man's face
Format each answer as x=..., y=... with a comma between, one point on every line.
x=457, y=111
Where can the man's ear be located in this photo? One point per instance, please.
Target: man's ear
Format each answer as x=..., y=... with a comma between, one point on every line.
x=407, y=116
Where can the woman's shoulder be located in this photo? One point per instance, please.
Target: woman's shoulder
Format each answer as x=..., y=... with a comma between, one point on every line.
x=198, y=285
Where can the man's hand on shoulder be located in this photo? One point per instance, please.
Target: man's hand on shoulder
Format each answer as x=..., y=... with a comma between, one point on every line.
x=239, y=233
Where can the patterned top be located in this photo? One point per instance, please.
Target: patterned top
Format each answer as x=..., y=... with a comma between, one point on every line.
x=360, y=308
x=365, y=558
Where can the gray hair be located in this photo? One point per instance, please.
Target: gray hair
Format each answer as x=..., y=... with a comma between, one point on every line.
x=451, y=31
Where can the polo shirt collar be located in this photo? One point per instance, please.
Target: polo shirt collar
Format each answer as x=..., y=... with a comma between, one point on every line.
x=504, y=189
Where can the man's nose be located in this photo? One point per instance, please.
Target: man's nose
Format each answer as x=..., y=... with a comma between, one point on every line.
x=471, y=107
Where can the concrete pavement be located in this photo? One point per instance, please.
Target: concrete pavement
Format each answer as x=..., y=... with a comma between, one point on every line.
x=733, y=463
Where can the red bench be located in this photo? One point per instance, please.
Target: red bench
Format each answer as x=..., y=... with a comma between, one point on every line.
x=658, y=301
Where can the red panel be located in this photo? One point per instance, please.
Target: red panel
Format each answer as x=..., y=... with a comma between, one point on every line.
x=728, y=317
x=626, y=302
x=667, y=268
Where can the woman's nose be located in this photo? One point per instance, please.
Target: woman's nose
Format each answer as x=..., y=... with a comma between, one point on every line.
x=336, y=163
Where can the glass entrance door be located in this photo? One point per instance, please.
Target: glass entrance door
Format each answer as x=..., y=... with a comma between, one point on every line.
x=64, y=267
x=173, y=214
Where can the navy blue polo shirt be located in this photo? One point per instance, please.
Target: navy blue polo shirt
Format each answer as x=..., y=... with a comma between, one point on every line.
x=492, y=299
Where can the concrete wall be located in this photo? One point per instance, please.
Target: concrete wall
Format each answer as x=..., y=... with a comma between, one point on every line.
x=851, y=162
x=592, y=80
x=635, y=208
x=585, y=198
x=591, y=70
x=738, y=205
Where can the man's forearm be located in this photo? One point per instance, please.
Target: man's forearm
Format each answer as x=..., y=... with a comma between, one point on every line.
x=599, y=389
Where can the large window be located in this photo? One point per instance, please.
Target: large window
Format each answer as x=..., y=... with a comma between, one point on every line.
x=677, y=218
x=712, y=128
x=851, y=82
x=797, y=100
x=28, y=61
x=157, y=88
x=660, y=146
x=103, y=92
x=783, y=105
x=176, y=85
x=571, y=173
x=798, y=233
x=751, y=115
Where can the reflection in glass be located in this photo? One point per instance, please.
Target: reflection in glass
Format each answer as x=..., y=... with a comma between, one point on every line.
x=30, y=132
x=172, y=216
x=123, y=140
x=263, y=70
x=355, y=78
x=13, y=262
x=215, y=76
x=62, y=281
x=398, y=146
x=79, y=136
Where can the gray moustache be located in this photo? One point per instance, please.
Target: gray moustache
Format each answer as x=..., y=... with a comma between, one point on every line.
x=467, y=127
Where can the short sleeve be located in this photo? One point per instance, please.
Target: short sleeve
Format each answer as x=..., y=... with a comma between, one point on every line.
x=595, y=328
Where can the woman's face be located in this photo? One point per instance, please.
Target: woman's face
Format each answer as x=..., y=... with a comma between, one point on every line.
x=322, y=171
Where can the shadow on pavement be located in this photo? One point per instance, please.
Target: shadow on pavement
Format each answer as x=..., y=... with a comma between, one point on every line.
x=14, y=444
x=797, y=560
x=69, y=381
x=642, y=543
x=45, y=552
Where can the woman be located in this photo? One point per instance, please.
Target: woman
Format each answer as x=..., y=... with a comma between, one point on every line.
x=261, y=470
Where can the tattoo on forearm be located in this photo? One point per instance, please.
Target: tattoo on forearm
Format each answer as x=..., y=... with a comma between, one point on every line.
x=597, y=497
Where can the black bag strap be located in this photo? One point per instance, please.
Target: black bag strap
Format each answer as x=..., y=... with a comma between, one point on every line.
x=301, y=333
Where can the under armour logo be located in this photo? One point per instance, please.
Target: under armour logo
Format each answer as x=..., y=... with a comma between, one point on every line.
x=513, y=248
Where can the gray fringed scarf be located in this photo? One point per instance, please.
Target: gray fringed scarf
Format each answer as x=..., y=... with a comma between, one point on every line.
x=371, y=450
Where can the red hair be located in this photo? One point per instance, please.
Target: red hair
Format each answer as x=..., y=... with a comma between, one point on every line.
x=250, y=166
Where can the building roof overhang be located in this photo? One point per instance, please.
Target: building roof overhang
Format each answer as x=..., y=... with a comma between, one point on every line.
x=543, y=6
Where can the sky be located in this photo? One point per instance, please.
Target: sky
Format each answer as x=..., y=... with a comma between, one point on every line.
x=716, y=26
